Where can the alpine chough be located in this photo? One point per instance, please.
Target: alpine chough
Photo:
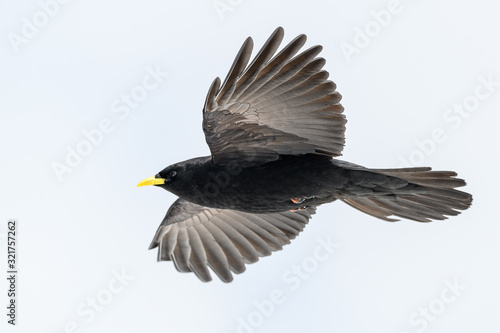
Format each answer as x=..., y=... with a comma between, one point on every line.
x=274, y=128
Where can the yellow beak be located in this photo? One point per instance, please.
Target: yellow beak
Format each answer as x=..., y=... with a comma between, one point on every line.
x=151, y=181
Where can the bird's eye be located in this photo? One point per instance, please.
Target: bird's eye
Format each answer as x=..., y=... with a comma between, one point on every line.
x=172, y=173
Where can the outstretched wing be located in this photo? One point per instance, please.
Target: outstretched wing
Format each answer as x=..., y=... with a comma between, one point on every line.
x=196, y=237
x=279, y=104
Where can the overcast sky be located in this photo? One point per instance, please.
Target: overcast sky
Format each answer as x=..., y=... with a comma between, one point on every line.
x=96, y=96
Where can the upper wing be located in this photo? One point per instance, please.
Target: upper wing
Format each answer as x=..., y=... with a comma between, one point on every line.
x=196, y=237
x=279, y=104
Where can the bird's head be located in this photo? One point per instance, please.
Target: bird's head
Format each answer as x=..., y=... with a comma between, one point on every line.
x=176, y=178
x=166, y=178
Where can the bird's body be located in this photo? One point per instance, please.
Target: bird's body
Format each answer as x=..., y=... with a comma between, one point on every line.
x=274, y=128
x=289, y=183
x=264, y=188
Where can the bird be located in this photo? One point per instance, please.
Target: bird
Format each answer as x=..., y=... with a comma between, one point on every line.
x=275, y=127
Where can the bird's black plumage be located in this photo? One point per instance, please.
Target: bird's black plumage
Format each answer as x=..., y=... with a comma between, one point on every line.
x=274, y=127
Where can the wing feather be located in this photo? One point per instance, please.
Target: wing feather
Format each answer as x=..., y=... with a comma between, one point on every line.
x=197, y=238
x=262, y=111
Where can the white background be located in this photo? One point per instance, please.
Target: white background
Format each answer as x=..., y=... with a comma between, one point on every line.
x=75, y=235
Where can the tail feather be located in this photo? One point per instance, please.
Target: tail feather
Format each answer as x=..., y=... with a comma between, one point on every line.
x=439, y=199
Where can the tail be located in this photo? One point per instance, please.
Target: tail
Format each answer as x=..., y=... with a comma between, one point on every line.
x=434, y=197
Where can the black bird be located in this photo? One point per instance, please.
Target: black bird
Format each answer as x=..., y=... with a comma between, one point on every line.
x=273, y=128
